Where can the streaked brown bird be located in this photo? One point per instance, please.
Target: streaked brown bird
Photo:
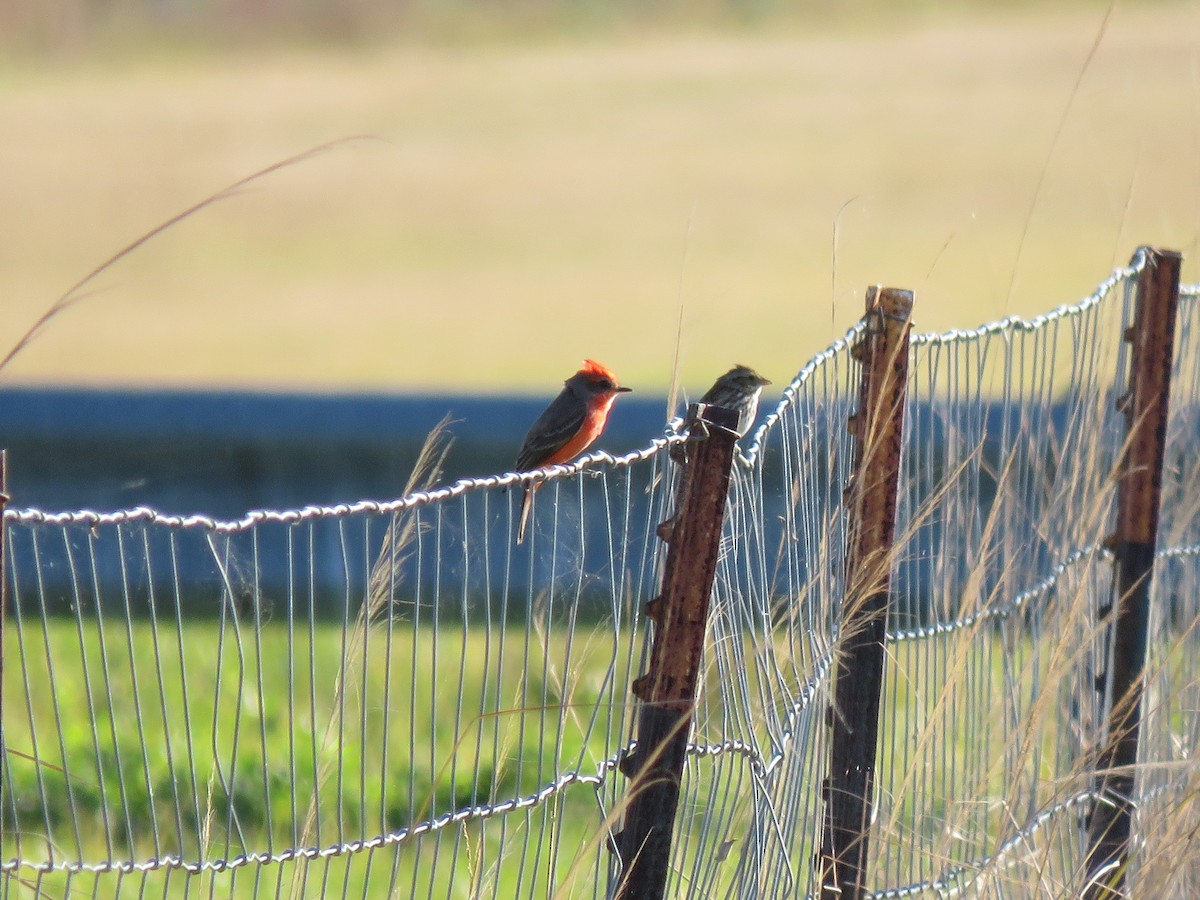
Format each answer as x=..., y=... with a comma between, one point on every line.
x=738, y=389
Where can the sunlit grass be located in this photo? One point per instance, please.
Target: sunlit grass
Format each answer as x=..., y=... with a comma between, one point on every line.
x=135, y=777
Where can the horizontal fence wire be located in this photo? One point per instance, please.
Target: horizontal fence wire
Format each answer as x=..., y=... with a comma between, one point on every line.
x=395, y=699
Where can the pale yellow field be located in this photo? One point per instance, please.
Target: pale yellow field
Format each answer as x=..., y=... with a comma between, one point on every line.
x=526, y=204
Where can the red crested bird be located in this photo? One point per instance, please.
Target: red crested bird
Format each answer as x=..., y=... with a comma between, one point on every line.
x=738, y=389
x=570, y=423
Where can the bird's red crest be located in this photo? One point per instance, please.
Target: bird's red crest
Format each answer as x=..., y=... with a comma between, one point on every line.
x=593, y=369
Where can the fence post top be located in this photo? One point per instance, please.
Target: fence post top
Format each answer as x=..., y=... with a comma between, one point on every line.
x=892, y=302
x=721, y=416
x=1154, y=253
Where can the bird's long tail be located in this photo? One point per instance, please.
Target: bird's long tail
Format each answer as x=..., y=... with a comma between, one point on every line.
x=526, y=505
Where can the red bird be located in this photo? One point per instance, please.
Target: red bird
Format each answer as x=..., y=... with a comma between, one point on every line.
x=570, y=423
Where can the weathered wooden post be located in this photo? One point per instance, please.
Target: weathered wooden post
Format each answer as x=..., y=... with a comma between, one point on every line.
x=1133, y=544
x=878, y=426
x=667, y=691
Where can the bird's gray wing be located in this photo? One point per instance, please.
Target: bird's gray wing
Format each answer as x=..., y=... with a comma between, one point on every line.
x=558, y=424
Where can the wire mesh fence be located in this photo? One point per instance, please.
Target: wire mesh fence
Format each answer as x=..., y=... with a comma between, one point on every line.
x=395, y=699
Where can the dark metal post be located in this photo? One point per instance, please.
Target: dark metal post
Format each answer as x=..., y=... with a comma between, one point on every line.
x=1139, y=487
x=668, y=689
x=878, y=425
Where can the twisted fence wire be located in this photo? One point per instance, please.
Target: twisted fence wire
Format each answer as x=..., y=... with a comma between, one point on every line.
x=393, y=699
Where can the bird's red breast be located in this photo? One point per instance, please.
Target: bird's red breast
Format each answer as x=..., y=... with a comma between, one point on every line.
x=593, y=423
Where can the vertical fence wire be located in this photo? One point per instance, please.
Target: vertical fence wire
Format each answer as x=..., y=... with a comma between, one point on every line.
x=1005, y=496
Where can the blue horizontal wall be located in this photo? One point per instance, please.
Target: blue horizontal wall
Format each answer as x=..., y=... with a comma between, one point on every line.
x=223, y=453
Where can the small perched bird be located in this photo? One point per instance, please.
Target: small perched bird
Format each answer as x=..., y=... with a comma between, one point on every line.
x=570, y=423
x=738, y=389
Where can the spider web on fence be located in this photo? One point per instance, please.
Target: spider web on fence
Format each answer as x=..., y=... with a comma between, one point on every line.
x=393, y=699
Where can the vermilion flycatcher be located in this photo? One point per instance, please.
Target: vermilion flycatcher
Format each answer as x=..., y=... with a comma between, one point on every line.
x=570, y=423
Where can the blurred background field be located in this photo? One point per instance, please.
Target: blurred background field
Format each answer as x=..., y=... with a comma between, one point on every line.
x=543, y=182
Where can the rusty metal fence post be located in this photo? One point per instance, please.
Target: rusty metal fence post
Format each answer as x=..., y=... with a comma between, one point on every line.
x=878, y=427
x=667, y=690
x=1134, y=542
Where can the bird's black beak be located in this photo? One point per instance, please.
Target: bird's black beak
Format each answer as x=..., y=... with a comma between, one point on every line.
x=624, y=390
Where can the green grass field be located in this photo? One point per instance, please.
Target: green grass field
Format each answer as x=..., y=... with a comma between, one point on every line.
x=236, y=775
x=524, y=202
x=208, y=770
